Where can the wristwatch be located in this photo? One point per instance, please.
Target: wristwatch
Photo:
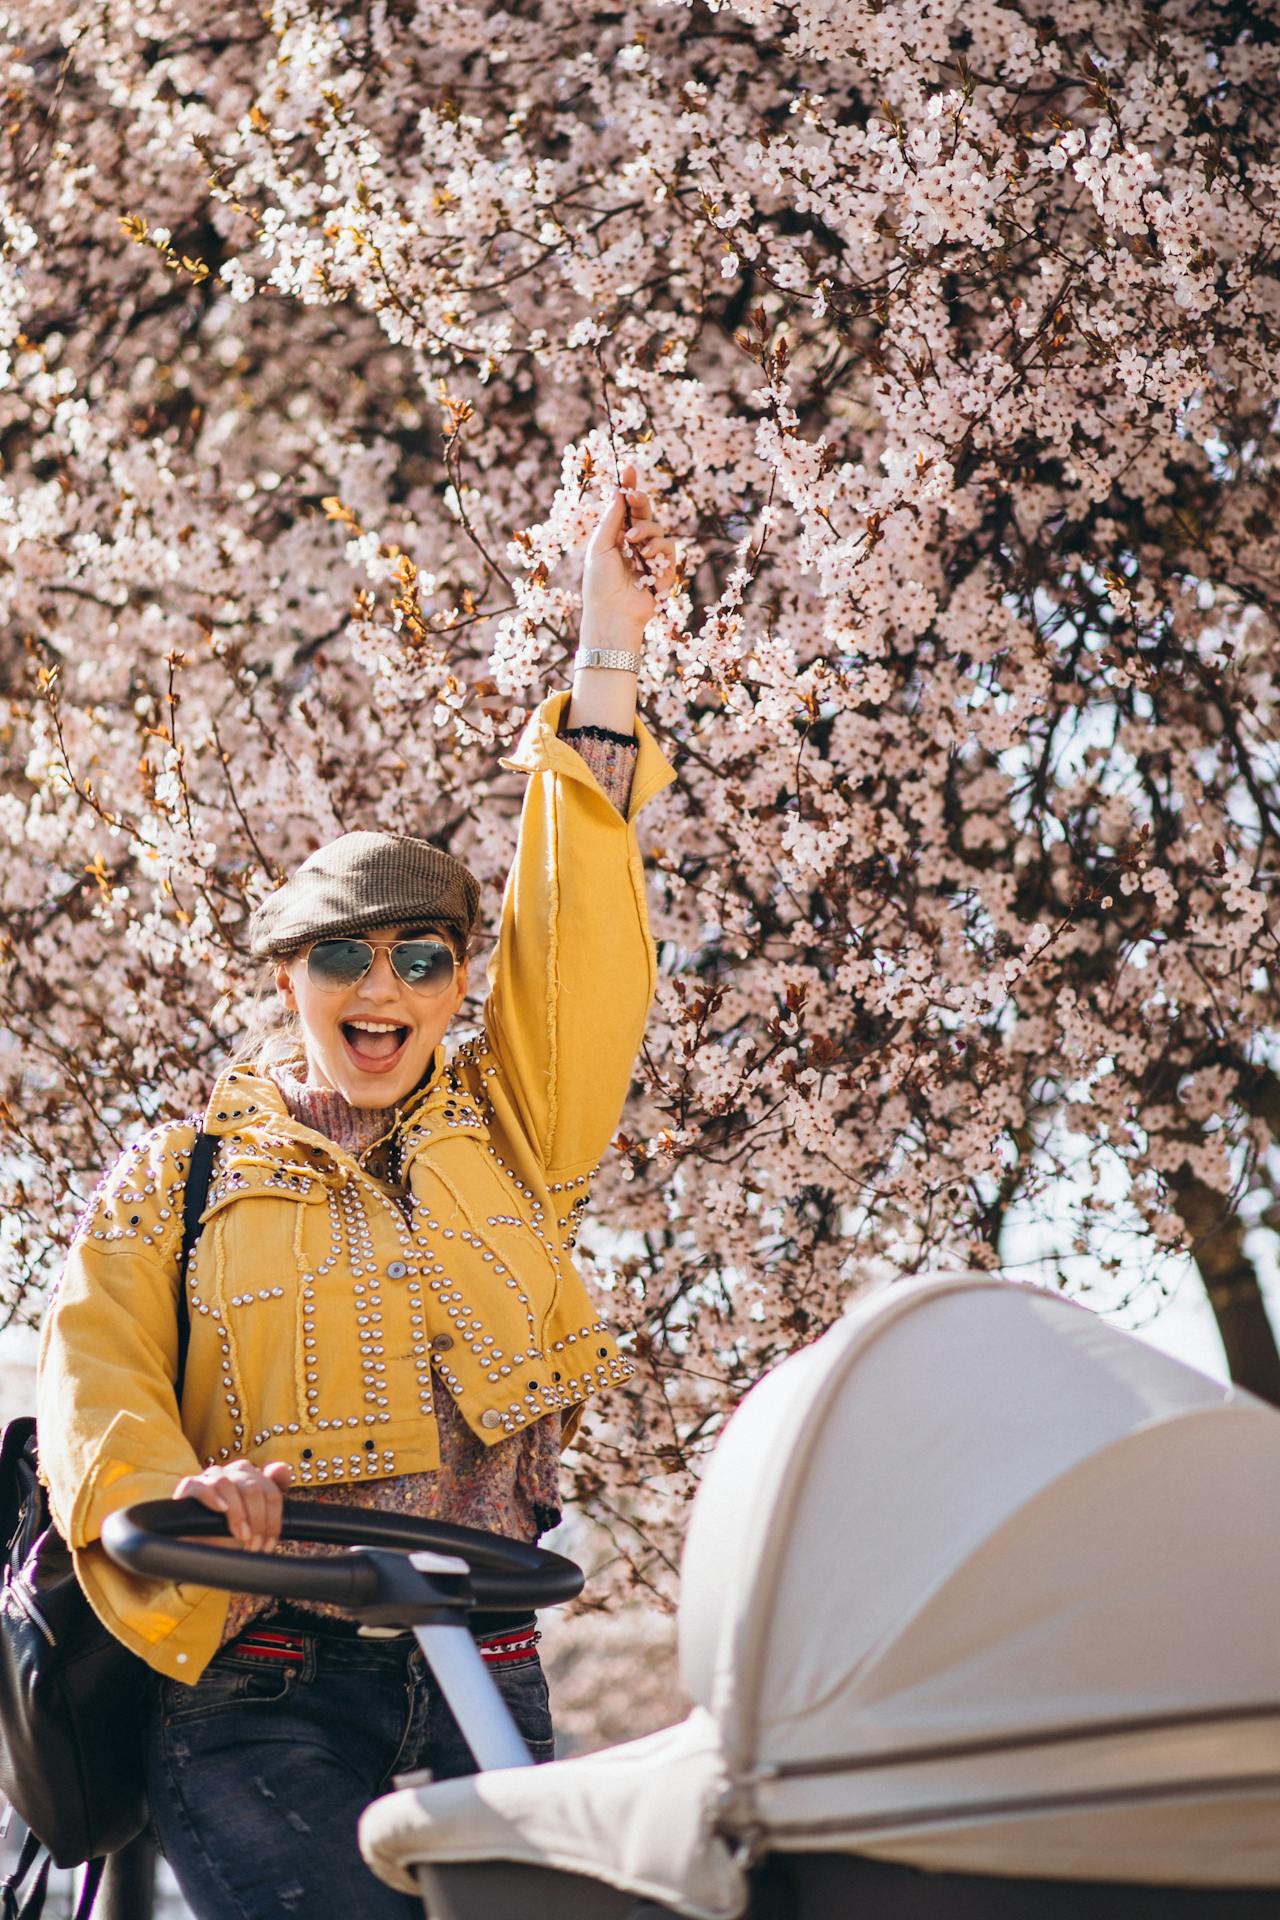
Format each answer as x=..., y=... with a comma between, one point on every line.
x=608, y=657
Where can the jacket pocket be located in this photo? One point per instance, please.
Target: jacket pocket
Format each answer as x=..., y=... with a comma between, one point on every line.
x=252, y=1176
x=488, y=1208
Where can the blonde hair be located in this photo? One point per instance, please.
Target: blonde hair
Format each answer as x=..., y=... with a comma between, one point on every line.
x=272, y=1032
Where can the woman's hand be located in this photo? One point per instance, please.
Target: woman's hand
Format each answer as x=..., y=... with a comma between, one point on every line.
x=251, y=1497
x=626, y=568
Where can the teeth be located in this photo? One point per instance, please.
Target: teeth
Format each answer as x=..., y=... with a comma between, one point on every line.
x=376, y=1026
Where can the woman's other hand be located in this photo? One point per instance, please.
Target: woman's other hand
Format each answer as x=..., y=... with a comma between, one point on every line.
x=626, y=568
x=251, y=1497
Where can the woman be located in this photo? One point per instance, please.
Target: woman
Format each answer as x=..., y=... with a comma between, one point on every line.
x=382, y=1305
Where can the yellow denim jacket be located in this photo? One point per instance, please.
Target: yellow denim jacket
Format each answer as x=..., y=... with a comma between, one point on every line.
x=324, y=1320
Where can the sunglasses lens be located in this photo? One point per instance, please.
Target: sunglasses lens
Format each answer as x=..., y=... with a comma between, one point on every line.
x=338, y=963
x=426, y=965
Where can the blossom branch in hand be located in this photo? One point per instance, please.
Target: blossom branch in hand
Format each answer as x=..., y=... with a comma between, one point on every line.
x=629, y=562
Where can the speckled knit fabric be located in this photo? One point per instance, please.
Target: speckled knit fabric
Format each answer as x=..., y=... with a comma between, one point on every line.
x=355, y=1128
x=513, y=1488
x=610, y=756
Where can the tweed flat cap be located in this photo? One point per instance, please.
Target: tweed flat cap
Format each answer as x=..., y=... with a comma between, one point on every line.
x=362, y=881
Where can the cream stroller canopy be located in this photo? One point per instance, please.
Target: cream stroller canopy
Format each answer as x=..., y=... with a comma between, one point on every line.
x=976, y=1582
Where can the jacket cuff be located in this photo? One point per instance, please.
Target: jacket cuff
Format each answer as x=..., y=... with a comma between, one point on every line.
x=175, y=1629
x=540, y=749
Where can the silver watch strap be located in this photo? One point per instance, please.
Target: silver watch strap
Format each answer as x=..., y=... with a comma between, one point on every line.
x=608, y=657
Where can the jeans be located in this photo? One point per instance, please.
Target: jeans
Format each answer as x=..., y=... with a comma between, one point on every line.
x=258, y=1774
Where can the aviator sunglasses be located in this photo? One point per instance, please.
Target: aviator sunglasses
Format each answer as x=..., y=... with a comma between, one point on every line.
x=425, y=965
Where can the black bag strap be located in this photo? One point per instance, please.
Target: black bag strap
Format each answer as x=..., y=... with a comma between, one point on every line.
x=33, y=1854
x=34, y=1850
x=195, y=1194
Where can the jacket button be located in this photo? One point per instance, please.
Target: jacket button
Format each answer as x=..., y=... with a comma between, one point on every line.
x=441, y=1342
x=397, y=1270
x=490, y=1419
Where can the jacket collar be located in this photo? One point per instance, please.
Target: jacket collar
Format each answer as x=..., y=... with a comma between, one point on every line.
x=246, y=1100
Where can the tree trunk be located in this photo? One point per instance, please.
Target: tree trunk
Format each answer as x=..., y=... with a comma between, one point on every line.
x=1231, y=1282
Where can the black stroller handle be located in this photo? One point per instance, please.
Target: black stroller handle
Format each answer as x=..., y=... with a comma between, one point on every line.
x=155, y=1538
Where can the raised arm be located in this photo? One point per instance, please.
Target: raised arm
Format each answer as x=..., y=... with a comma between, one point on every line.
x=573, y=973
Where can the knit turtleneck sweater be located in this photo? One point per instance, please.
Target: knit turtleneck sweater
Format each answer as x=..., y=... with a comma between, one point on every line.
x=329, y=1112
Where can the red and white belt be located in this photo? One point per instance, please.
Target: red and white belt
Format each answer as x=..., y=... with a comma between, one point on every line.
x=285, y=1647
x=499, y=1649
x=276, y=1644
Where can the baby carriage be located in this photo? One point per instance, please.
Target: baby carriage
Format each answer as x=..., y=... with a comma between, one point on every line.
x=979, y=1618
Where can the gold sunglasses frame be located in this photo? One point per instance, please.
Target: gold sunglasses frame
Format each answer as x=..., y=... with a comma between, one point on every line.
x=388, y=947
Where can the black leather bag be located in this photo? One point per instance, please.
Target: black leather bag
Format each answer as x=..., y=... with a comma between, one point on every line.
x=71, y=1695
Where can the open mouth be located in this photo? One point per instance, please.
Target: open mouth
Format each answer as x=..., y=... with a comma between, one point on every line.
x=375, y=1045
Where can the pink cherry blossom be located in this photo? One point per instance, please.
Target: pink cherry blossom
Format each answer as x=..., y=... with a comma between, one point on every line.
x=946, y=341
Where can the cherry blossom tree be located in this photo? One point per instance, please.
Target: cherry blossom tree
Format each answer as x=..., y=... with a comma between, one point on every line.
x=948, y=338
